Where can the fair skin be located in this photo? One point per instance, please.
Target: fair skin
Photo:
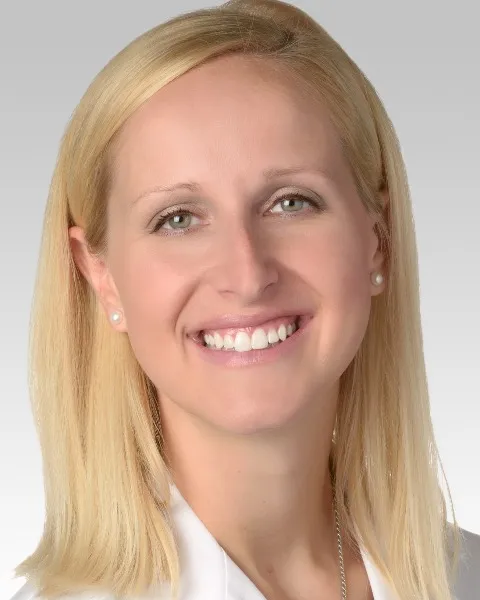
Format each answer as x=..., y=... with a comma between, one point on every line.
x=248, y=446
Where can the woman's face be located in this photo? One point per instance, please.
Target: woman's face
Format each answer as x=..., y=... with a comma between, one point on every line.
x=246, y=242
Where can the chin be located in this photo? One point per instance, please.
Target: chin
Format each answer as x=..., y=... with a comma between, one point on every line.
x=254, y=414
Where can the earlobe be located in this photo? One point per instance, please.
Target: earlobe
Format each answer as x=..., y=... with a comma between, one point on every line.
x=376, y=260
x=96, y=272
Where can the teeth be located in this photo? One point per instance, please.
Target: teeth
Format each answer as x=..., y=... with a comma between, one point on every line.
x=244, y=343
x=272, y=336
x=218, y=341
x=228, y=342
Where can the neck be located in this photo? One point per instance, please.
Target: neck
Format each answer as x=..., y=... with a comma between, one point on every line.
x=266, y=498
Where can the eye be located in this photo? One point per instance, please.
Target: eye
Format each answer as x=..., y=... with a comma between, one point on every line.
x=177, y=219
x=293, y=203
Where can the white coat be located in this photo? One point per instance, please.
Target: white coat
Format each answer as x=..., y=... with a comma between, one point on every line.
x=208, y=573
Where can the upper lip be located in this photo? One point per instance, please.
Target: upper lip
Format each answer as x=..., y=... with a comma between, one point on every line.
x=238, y=321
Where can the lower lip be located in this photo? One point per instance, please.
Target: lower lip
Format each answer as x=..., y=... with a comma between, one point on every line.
x=231, y=358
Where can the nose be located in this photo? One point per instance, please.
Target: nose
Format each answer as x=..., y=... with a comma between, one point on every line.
x=244, y=265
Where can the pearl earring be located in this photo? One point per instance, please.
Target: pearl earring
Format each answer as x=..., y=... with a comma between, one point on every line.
x=115, y=317
x=377, y=278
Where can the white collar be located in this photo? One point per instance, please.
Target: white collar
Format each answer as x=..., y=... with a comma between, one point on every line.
x=208, y=573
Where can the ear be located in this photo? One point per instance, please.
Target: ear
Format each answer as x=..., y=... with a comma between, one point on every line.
x=376, y=256
x=96, y=272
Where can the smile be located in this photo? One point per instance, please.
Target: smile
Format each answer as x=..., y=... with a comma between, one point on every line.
x=252, y=345
x=248, y=339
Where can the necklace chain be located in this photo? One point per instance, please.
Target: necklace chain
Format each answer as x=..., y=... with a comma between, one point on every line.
x=340, y=553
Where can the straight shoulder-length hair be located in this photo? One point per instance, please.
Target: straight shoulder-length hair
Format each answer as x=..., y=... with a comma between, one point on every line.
x=107, y=494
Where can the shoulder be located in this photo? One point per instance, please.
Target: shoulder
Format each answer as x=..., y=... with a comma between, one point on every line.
x=466, y=584
x=467, y=581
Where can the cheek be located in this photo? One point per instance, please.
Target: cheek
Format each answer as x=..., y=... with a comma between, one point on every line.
x=152, y=292
x=329, y=267
x=334, y=264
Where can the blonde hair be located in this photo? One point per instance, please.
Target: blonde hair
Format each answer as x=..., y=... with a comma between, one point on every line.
x=107, y=492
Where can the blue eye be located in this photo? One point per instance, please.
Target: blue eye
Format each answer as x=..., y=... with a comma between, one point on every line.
x=180, y=220
x=289, y=201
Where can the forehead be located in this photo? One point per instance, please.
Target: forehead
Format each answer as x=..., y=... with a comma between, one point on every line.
x=231, y=112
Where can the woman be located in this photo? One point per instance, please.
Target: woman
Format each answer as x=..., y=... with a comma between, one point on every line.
x=227, y=352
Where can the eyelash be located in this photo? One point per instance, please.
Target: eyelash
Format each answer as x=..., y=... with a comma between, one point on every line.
x=179, y=211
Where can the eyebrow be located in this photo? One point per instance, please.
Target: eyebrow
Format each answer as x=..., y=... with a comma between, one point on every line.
x=268, y=174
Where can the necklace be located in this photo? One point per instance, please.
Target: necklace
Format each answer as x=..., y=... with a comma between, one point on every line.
x=340, y=553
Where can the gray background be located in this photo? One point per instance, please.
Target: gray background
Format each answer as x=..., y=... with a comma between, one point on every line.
x=423, y=60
